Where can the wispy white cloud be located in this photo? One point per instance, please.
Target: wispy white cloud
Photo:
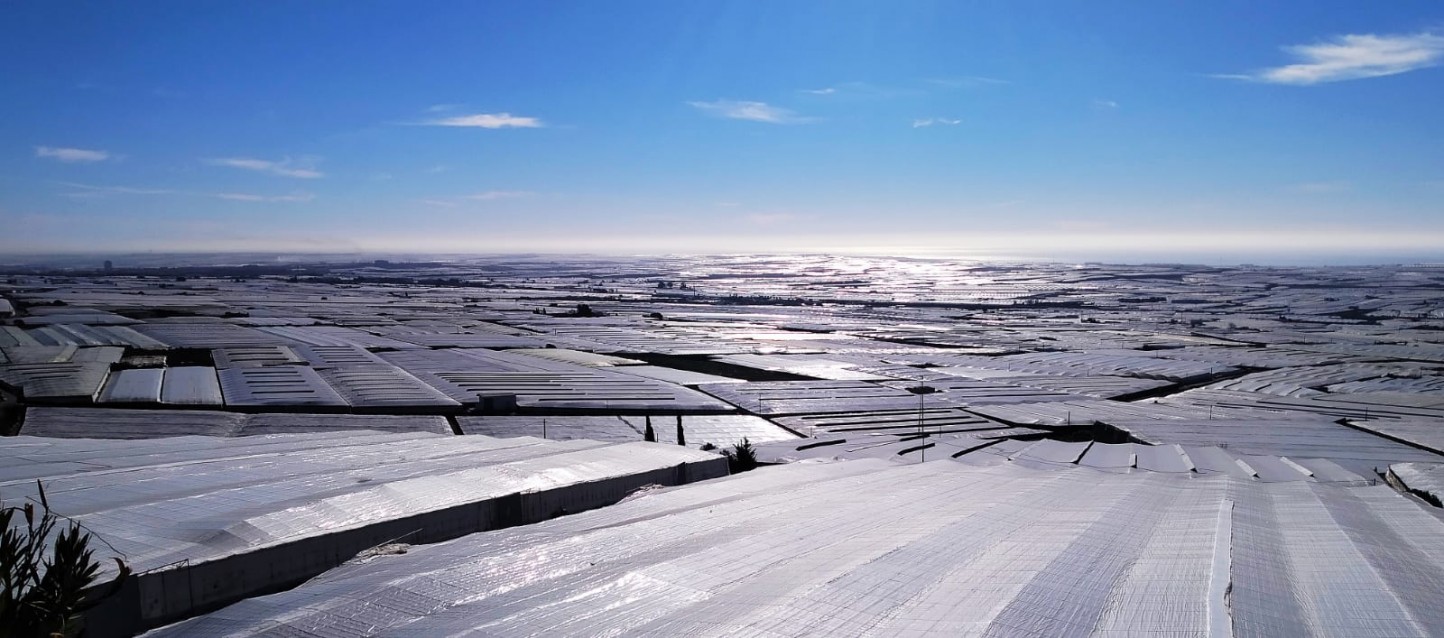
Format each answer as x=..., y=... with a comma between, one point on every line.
x=1352, y=57
x=484, y=196
x=494, y=195
x=750, y=111
x=248, y=197
x=1100, y=103
x=1322, y=188
x=73, y=155
x=966, y=82
x=934, y=121
x=93, y=191
x=303, y=168
x=487, y=120
x=861, y=90
x=442, y=108
x=772, y=219
x=88, y=190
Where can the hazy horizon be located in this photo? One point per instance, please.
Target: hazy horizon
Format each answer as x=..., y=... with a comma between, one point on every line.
x=1207, y=132
x=82, y=260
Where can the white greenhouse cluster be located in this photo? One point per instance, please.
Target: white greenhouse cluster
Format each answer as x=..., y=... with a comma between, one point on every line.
x=931, y=549
x=764, y=445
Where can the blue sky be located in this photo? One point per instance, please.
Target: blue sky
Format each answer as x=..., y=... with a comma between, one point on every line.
x=1019, y=128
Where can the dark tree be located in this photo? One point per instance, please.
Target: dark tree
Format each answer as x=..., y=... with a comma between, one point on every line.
x=742, y=457
x=44, y=583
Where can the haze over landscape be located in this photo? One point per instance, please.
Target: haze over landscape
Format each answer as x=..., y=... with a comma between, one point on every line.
x=1212, y=132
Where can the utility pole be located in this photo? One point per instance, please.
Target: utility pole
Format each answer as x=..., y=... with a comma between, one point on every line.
x=922, y=391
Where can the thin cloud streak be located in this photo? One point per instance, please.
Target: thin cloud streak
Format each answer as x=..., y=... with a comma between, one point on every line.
x=935, y=121
x=1320, y=188
x=966, y=82
x=303, y=169
x=862, y=90
x=71, y=155
x=487, y=121
x=1352, y=57
x=484, y=196
x=494, y=195
x=247, y=197
x=750, y=111
x=89, y=190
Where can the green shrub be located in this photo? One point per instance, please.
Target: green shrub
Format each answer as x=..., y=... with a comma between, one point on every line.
x=742, y=457
x=44, y=576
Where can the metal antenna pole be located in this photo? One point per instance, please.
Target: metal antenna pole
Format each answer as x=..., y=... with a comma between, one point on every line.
x=924, y=455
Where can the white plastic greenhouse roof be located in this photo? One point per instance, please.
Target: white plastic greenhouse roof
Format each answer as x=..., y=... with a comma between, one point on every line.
x=101, y=423
x=583, y=389
x=133, y=386
x=254, y=356
x=1426, y=479
x=383, y=385
x=247, y=514
x=1423, y=433
x=1310, y=438
x=276, y=385
x=83, y=335
x=57, y=381
x=930, y=549
x=722, y=430
x=191, y=385
x=334, y=336
x=776, y=398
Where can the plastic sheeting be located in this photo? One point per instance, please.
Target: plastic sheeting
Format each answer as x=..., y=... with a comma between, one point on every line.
x=1425, y=433
x=278, y=386
x=1426, y=479
x=585, y=389
x=77, y=382
x=254, y=356
x=191, y=385
x=206, y=521
x=1358, y=451
x=133, y=386
x=1128, y=457
x=777, y=398
x=103, y=423
x=383, y=385
x=721, y=430
x=937, y=549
